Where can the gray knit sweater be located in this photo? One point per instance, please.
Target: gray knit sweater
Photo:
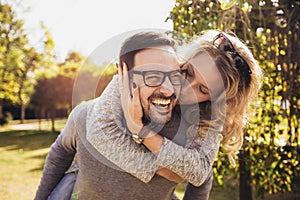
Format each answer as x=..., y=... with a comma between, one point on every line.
x=102, y=175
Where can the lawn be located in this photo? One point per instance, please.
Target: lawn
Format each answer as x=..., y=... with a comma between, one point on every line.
x=22, y=156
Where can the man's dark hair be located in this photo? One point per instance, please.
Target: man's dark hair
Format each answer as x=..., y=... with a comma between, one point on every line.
x=141, y=41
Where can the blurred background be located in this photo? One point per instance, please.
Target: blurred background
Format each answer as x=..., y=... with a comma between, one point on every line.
x=45, y=44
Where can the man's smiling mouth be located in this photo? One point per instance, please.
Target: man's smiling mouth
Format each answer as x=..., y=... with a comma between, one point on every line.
x=161, y=102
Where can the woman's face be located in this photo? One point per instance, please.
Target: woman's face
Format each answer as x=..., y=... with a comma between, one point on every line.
x=204, y=81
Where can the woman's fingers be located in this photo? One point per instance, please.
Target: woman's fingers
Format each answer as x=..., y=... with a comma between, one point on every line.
x=135, y=110
x=120, y=73
x=123, y=80
x=124, y=89
x=126, y=86
x=136, y=98
x=130, y=104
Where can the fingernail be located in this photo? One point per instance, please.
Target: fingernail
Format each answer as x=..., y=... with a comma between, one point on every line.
x=134, y=85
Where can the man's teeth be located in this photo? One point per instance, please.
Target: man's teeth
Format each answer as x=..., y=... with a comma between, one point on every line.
x=162, y=102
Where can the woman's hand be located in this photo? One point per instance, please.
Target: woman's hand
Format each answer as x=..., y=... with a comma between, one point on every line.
x=131, y=104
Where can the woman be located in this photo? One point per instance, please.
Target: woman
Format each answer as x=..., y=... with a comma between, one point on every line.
x=241, y=77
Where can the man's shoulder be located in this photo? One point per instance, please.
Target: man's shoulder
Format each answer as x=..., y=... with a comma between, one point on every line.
x=81, y=109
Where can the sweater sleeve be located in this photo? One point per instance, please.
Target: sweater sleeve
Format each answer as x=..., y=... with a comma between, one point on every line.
x=193, y=162
x=107, y=134
x=59, y=158
x=199, y=193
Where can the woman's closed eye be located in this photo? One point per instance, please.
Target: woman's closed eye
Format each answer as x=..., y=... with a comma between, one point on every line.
x=203, y=89
x=190, y=71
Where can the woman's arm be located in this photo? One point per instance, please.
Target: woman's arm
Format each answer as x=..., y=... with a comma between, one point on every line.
x=105, y=127
x=192, y=164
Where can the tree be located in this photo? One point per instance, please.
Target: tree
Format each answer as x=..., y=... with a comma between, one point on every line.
x=51, y=94
x=25, y=78
x=55, y=92
x=268, y=159
x=12, y=38
x=19, y=60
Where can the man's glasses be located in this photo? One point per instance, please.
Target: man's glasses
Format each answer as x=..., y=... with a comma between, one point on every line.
x=224, y=44
x=156, y=78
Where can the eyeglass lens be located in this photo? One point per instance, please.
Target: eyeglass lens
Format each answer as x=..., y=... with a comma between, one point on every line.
x=156, y=78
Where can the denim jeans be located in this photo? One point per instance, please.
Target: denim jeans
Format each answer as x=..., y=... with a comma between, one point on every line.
x=64, y=189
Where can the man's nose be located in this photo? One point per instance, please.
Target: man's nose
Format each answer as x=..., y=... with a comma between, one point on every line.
x=167, y=87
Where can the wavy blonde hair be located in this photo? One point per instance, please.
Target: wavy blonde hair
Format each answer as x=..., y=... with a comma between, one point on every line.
x=231, y=105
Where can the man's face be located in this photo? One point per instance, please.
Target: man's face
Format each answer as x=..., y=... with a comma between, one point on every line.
x=158, y=101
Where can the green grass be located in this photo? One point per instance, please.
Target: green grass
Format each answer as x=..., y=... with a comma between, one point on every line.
x=22, y=155
x=23, y=148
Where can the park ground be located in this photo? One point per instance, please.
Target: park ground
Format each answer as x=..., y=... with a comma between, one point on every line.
x=23, y=148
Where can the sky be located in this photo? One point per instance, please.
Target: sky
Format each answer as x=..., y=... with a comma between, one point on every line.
x=83, y=25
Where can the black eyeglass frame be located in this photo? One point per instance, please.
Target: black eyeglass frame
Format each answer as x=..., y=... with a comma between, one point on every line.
x=165, y=74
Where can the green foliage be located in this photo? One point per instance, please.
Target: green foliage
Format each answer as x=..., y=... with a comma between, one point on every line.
x=272, y=30
x=20, y=62
x=222, y=168
x=75, y=196
x=71, y=65
x=12, y=40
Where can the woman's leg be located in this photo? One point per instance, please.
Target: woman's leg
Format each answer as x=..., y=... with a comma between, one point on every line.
x=64, y=189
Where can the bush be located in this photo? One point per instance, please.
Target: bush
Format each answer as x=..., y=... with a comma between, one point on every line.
x=6, y=118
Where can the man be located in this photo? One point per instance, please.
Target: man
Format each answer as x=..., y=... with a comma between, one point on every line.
x=98, y=178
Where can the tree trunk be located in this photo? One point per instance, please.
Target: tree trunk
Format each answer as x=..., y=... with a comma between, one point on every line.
x=1, y=107
x=245, y=176
x=23, y=108
x=38, y=115
x=40, y=123
x=53, y=120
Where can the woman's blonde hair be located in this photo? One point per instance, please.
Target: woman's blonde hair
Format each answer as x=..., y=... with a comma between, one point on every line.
x=240, y=89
